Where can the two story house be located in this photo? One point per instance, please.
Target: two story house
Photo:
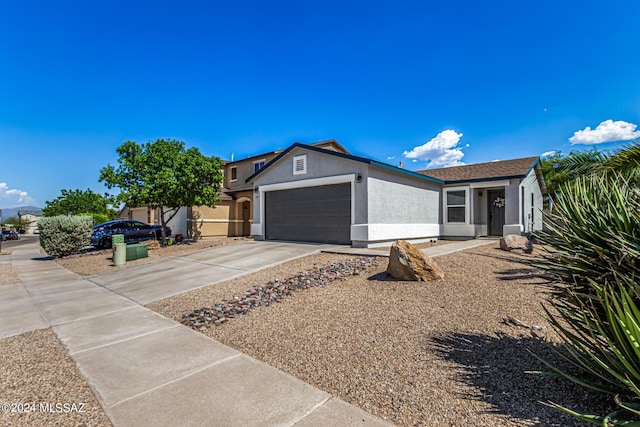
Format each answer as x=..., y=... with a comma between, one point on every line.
x=233, y=215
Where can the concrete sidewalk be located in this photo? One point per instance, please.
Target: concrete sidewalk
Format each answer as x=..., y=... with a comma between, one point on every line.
x=146, y=369
x=434, y=251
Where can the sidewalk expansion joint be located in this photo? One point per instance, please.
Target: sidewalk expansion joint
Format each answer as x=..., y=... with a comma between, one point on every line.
x=123, y=339
x=312, y=410
x=197, y=371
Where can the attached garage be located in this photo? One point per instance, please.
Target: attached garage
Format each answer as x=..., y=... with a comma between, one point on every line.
x=310, y=214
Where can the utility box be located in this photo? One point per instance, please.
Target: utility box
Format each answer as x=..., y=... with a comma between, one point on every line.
x=119, y=254
x=136, y=252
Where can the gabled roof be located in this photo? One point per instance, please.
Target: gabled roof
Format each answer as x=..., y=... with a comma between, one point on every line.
x=329, y=144
x=348, y=157
x=33, y=212
x=489, y=171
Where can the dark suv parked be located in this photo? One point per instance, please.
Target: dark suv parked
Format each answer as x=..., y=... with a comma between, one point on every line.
x=9, y=235
x=134, y=231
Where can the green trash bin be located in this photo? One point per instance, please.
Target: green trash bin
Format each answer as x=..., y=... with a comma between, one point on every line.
x=117, y=238
x=119, y=254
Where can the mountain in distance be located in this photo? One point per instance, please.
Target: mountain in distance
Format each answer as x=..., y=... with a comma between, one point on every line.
x=9, y=212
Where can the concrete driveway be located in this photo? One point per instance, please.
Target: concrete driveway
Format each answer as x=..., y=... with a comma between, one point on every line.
x=160, y=279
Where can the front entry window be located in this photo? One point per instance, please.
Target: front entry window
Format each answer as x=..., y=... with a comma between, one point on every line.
x=456, y=206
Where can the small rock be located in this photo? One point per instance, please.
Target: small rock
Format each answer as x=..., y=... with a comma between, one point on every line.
x=515, y=241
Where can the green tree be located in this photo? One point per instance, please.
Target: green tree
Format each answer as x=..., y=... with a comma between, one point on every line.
x=559, y=169
x=164, y=175
x=75, y=202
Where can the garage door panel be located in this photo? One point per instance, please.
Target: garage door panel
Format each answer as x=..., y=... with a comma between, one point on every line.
x=313, y=214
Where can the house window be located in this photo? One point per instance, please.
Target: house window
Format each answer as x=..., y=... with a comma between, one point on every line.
x=258, y=165
x=234, y=173
x=300, y=165
x=457, y=206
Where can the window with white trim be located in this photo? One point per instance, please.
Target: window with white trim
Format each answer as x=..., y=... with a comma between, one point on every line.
x=300, y=164
x=456, y=209
x=234, y=173
x=257, y=165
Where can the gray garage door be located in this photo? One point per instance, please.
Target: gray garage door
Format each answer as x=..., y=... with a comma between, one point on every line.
x=312, y=214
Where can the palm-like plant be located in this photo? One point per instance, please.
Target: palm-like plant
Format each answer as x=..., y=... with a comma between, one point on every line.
x=594, y=236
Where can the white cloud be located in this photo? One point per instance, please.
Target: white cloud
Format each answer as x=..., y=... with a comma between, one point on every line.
x=442, y=150
x=548, y=153
x=10, y=198
x=607, y=131
x=391, y=157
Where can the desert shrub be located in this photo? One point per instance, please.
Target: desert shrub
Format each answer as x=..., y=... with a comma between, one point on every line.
x=593, y=293
x=64, y=235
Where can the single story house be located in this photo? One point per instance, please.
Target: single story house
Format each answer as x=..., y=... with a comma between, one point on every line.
x=309, y=193
x=322, y=193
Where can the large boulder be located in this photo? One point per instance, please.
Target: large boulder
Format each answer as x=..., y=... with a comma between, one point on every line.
x=515, y=241
x=406, y=262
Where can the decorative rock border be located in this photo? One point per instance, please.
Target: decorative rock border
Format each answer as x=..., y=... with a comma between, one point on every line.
x=275, y=291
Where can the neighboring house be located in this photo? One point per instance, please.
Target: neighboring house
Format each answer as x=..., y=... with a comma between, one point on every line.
x=307, y=193
x=32, y=216
x=233, y=215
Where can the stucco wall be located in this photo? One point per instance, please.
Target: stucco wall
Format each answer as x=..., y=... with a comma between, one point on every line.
x=319, y=165
x=392, y=202
x=532, y=186
x=212, y=222
x=512, y=205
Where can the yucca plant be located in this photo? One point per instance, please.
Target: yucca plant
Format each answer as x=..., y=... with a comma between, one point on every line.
x=593, y=266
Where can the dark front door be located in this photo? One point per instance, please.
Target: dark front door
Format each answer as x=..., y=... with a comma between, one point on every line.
x=312, y=214
x=496, y=212
x=246, y=217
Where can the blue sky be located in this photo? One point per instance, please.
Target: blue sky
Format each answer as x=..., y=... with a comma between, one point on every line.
x=423, y=82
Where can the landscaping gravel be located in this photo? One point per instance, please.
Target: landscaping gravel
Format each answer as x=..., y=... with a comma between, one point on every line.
x=42, y=386
x=413, y=353
x=275, y=291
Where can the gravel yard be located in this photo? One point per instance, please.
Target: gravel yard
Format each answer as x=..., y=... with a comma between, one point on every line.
x=98, y=261
x=412, y=353
x=36, y=375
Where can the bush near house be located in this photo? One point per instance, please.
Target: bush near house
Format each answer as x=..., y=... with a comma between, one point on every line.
x=64, y=235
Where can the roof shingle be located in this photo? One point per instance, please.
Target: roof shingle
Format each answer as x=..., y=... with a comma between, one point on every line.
x=516, y=168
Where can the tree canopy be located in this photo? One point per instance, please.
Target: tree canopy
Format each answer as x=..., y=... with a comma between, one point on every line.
x=76, y=202
x=164, y=175
x=560, y=169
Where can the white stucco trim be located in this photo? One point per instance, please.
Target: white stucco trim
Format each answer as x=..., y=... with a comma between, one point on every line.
x=258, y=229
x=378, y=232
x=512, y=229
x=488, y=184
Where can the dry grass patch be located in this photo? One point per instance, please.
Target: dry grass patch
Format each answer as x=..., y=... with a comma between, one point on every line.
x=36, y=370
x=8, y=275
x=413, y=353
